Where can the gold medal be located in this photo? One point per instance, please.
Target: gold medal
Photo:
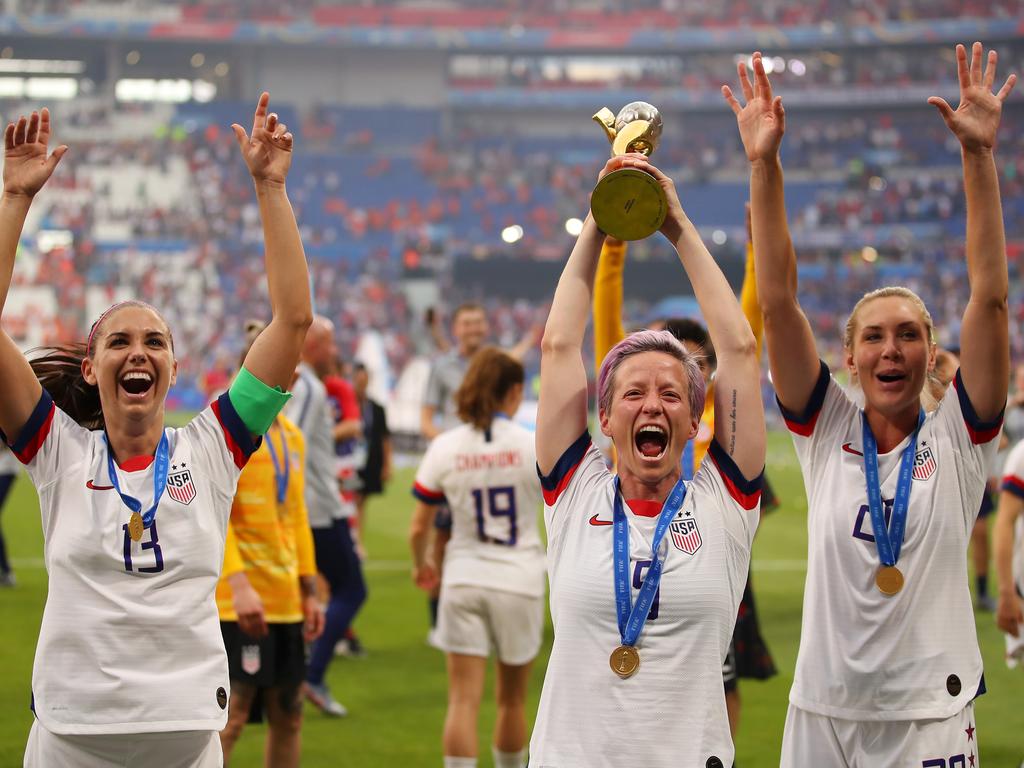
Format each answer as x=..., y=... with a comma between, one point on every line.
x=889, y=580
x=625, y=661
x=135, y=526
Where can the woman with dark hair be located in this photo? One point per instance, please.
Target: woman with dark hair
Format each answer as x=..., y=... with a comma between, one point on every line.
x=492, y=587
x=130, y=665
x=646, y=569
x=889, y=664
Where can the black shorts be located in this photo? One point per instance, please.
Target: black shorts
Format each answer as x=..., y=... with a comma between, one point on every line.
x=987, y=505
x=277, y=660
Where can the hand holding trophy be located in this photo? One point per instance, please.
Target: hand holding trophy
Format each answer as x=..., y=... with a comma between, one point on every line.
x=629, y=203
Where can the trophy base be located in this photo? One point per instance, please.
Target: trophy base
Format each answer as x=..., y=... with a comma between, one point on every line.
x=629, y=204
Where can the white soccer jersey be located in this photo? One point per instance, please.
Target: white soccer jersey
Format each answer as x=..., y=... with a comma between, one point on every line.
x=130, y=640
x=864, y=655
x=9, y=464
x=672, y=711
x=489, y=482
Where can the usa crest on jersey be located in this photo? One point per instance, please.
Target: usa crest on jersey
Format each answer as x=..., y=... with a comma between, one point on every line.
x=180, y=486
x=924, y=463
x=685, y=534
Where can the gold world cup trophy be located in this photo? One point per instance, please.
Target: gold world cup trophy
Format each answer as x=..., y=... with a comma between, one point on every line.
x=628, y=203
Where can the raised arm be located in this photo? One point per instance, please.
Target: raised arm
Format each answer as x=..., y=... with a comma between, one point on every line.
x=792, y=354
x=562, y=404
x=27, y=166
x=268, y=154
x=739, y=411
x=984, y=333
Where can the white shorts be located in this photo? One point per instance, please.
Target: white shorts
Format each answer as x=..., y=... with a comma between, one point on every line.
x=175, y=749
x=829, y=742
x=472, y=620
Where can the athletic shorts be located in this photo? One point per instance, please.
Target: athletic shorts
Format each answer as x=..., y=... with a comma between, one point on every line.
x=473, y=620
x=829, y=742
x=277, y=660
x=175, y=749
x=988, y=506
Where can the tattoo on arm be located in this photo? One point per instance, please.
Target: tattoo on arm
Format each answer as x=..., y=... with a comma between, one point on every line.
x=732, y=425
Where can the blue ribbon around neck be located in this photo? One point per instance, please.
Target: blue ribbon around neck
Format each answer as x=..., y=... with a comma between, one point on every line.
x=632, y=618
x=282, y=466
x=687, y=462
x=161, y=463
x=889, y=539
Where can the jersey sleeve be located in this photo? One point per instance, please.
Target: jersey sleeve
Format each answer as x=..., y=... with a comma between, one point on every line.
x=574, y=484
x=50, y=442
x=739, y=497
x=826, y=413
x=427, y=486
x=222, y=443
x=975, y=441
x=608, y=330
x=1013, y=471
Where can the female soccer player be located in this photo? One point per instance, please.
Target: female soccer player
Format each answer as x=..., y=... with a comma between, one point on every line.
x=492, y=587
x=889, y=665
x=266, y=596
x=130, y=663
x=643, y=619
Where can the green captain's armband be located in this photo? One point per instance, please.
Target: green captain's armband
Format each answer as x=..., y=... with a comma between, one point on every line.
x=256, y=403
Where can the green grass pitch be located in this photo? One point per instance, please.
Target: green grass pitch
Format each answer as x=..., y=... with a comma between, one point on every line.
x=396, y=696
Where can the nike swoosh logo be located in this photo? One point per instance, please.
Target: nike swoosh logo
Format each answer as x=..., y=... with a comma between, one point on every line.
x=849, y=449
x=597, y=521
x=91, y=487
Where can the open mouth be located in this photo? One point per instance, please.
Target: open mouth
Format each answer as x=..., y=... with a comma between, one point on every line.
x=136, y=382
x=651, y=441
x=891, y=377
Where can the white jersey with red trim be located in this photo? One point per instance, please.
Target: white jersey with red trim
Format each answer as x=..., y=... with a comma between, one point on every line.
x=130, y=639
x=489, y=481
x=672, y=711
x=913, y=655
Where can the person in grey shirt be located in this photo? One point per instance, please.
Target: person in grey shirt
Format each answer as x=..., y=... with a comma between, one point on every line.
x=329, y=516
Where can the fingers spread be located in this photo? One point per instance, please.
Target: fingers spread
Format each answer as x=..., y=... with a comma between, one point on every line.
x=990, y=70
x=9, y=136
x=260, y=117
x=33, y=128
x=748, y=91
x=55, y=156
x=943, y=106
x=731, y=100
x=240, y=134
x=1007, y=87
x=976, y=51
x=961, y=68
x=19, y=130
x=44, y=125
x=763, y=88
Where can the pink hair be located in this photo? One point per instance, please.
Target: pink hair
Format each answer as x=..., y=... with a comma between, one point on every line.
x=651, y=341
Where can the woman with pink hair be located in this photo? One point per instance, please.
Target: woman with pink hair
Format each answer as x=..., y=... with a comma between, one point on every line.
x=646, y=569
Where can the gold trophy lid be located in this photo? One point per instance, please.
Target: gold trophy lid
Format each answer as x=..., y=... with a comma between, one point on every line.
x=637, y=128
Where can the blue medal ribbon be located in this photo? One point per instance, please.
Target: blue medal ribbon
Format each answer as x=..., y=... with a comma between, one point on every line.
x=281, y=473
x=889, y=540
x=161, y=463
x=687, y=461
x=632, y=618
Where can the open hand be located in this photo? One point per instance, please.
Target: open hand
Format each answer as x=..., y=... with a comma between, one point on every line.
x=762, y=121
x=1009, y=615
x=975, y=121
x=26, y=164
x=267, y=151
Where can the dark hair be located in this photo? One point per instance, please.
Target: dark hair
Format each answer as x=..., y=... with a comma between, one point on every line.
x=687, y=329
x=59, y=370
x=490, y=376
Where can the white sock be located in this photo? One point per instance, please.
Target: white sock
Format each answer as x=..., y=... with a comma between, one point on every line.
x=459, y=762
x=508, y=759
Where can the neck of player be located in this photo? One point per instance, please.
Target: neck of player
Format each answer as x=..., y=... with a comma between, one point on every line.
x=130, y=438
x=890, y=429
x=635, y=488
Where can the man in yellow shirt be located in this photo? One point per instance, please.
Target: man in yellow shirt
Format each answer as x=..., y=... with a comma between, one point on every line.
x=267, y=595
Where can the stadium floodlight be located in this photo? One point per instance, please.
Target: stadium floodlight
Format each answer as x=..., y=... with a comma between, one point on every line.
x=48, y=239
x=869, y=254
x=573, y=226
x=197, y=60
x=203, y=90
x=148, y=89
x=132, y=58
x=222, y=69
x=797, y=67
x=51, y=87
x=718, y=237
x=42, y=66
x=512, y=234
